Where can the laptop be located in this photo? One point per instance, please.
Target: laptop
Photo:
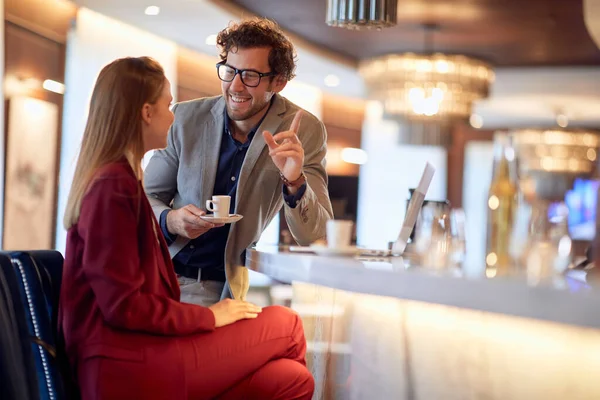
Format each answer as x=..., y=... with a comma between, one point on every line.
x=397, y=247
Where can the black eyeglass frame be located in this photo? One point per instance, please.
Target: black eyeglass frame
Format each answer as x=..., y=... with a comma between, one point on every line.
x=240, y=72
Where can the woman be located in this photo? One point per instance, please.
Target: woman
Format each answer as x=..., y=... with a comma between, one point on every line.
x=127, y=334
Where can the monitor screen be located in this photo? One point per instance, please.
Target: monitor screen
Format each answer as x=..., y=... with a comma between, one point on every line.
x=581, y=202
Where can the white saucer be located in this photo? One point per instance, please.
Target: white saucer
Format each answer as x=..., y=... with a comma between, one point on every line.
x=226, y=220
x=335, y=252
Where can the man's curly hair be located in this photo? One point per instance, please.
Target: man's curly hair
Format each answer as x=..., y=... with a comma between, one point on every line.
x=259, y=32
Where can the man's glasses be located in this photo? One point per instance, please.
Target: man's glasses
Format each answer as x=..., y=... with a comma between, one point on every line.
x=249, y=77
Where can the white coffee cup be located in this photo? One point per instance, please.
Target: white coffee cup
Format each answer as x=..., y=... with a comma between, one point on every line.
x=339, y=233
x=219, y=205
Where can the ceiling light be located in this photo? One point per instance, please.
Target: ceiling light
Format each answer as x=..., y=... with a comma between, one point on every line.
x=211, y=40
x=152, y=10
x=357, y=14
x=427, y=87
x=54, y=86
x=332, y=80
x=354, y=156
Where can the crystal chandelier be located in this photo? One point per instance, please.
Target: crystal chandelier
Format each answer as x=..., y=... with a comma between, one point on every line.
x=427, y=87
x=557, y=151
x=549, y=160
x=356, y=14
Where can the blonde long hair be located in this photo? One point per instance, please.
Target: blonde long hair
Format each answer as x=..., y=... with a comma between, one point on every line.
x=114, y=125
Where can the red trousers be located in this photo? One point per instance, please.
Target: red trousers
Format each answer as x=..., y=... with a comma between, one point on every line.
x=262, y=358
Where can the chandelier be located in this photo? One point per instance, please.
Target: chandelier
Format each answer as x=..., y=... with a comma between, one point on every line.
x=557, y=150
x=427, y=87
x=356, y=14
x=549, y=160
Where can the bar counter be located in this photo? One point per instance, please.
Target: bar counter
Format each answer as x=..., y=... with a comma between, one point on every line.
x=382, y=328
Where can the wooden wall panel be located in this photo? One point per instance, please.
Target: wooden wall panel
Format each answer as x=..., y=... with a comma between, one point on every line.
x=196, y=75
x=185, y=94
x=31, y=56
x=343, y=118
x=344, y=112
x=337, y=139
x=35, y=37
x=49, y=18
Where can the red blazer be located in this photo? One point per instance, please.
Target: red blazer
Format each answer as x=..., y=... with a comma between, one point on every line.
x=120, y=297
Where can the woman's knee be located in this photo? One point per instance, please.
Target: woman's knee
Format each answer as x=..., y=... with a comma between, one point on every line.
x=286, y=318
x=283, y=316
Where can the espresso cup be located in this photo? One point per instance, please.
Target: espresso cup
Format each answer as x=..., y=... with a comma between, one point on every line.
x=339, y=233
x=219, y=205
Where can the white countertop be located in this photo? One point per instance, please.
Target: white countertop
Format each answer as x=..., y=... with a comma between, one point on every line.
x=576, y=304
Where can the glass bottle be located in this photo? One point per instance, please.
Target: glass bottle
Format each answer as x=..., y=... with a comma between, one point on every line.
x=502, y=205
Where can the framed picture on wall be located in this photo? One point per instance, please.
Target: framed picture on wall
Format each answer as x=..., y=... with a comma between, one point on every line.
x=30, y=185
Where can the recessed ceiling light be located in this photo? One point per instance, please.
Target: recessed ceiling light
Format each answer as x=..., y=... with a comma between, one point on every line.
x=211, y=40
x=152, y=10
x=332, y=80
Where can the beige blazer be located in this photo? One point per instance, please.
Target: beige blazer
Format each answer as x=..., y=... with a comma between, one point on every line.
x=184, y=173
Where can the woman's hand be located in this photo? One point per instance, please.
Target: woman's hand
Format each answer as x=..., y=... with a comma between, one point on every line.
x=229, y=311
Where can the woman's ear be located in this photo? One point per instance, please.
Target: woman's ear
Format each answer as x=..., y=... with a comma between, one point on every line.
x=147, y=113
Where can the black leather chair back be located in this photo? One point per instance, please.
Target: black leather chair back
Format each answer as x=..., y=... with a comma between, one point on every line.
x=37, y=276
x=18, y=378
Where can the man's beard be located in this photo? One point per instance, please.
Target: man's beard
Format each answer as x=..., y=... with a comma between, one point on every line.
x=255, y=109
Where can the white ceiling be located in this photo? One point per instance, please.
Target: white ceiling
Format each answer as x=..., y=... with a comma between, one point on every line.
x=519, y=96
x=534, y=96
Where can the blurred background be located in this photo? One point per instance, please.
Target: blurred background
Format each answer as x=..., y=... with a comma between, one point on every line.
x=498, y=66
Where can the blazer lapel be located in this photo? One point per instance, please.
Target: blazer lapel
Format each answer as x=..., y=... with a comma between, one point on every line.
x=270, y=123
x=209, y=150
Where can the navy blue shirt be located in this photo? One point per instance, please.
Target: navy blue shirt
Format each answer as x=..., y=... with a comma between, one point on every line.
x=208, y=250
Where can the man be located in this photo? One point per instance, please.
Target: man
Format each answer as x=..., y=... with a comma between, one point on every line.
x=250, y=143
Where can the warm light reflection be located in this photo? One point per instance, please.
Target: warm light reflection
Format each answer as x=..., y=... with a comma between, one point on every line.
x=14, y=86
x=491, y=259
x=54, y=86
x=493, y=202
x=491, y=272
x=354, y=156
x=591, y=154
x=384, y=339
